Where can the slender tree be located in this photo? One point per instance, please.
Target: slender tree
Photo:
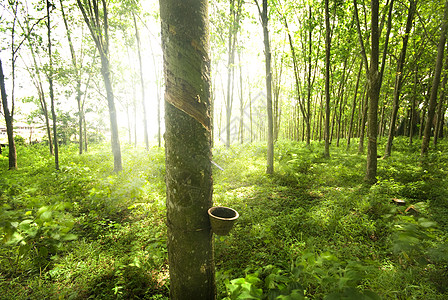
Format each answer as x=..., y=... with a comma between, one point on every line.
x=77, y=73
x=185, y=43
x=12, y=156
x=142, y=84
x=355, y=96
x=399, y=77
x=263, y=11
x=50, y=83
x=235, y=14
x=435, y=83
x=438, y=130
x=327, y=79
x=374, y=93
x=98, y=24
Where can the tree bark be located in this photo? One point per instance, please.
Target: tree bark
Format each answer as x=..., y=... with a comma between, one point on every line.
x=185, y=43
x=12, y=156
x=374, y=93
x=435, y=83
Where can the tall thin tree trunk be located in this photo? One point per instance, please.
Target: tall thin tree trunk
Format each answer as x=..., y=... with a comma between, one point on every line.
x=440, y=116
x=350, y=129
x=77, y=78
x=399, y=77
x=36, y=78
x=50, y=81
x=308, y=102
x=267, y=52
x=435, y=83
x=327, y=79
x=99, y=30
x=362, y=127
x=233, y=32
x=142, y=84
x=12, y=156
x=374, y=93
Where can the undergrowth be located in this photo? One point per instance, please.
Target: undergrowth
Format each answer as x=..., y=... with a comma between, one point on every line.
x=313, y=230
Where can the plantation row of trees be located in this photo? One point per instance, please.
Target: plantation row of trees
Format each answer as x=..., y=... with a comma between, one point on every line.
x=301, y=70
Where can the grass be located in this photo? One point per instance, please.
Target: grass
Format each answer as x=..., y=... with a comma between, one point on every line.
x=313, y=230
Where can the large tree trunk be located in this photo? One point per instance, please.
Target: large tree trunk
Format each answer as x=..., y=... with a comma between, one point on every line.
x=435, y=83
x=399, y=78
x=374, y=93
x=12, y=156
x=185, y=42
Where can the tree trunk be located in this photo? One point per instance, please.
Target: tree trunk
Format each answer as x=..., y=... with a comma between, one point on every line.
x=12, y=156
x=267, y=52
x=36, y=78
x=386, y=43
x=99, y=29
x=241, y=135
x=350, y=129
x=78, y=79
x=399, y=78
x=435, y=83
x=308, y=102
x=185, y=43
x=438, y=131
x=50, y=82
x=233, y=32
x=374, y=93
x=327, y=80
x=362, y=127
x=115, y=142
x=142, y=84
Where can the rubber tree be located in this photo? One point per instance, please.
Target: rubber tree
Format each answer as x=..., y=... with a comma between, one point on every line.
x=77, y=77
x=399, y=77
x=235, y=15
x=327, y=78
x=50, y=75
x=263, y=11
x=142, y=84
x=185, y=44
x=97, y=22
x=12, y=156
x=374, y=94
x=435, y=83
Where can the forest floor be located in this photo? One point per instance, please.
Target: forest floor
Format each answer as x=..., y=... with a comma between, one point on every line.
x=313, y=230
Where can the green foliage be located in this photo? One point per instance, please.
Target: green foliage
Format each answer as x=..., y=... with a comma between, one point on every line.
x=19, y=140
x=311, y=231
